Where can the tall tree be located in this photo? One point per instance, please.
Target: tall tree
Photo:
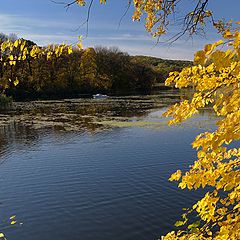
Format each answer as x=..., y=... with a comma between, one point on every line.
x=88, y=68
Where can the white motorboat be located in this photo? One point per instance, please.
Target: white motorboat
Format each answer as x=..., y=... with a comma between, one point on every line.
x=100, y=96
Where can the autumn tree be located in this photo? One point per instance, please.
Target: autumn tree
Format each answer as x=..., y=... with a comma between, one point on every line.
x=15, y=55
x=88, y=68
x=216, y=80
x=116, y=66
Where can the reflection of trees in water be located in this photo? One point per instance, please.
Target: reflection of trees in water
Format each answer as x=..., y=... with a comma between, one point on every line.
x=14, y=135
x=28, y=122
x=3, y=144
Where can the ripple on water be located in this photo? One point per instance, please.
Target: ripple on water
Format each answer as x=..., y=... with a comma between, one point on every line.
x=108, y=185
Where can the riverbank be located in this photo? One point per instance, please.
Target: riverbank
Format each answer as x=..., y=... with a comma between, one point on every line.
x=80, y=113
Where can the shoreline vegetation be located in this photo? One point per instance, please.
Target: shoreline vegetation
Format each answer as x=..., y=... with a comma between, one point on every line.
x=78, y=114
x=82, y=73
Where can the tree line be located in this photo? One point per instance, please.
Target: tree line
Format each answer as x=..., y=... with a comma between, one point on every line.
x=84, y=71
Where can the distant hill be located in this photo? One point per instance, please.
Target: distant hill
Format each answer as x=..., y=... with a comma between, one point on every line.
x=162, y=66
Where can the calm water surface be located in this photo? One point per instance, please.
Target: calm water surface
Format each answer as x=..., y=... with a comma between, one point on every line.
x=107, y=184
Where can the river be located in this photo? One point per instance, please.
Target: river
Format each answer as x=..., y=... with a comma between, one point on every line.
x=89, y=169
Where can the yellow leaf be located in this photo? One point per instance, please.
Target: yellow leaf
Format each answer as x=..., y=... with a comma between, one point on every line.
x=199, y=57
x=176, y=176
x=70, y=51
x=16, y=82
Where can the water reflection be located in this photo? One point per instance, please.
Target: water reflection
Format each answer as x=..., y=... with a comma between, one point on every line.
x=26, y=123
x=16, y=136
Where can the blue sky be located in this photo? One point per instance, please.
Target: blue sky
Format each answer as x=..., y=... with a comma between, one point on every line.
x=45, y=22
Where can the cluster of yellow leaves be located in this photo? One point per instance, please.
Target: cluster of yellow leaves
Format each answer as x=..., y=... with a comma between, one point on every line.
x=83, y=2
x=156, y=12
x=216, y=82
x=13, y=221
x=12, y=53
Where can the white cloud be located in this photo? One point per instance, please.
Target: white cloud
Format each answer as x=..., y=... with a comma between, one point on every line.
x=18, y=24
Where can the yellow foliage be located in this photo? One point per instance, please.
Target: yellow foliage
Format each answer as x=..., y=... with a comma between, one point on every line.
x=12, y=53
x=216, y=81
x=88, y=65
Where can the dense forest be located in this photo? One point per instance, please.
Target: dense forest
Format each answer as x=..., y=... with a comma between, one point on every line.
x=88, y=71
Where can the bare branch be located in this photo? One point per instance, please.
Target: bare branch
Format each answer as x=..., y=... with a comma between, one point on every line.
x=125, y=13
